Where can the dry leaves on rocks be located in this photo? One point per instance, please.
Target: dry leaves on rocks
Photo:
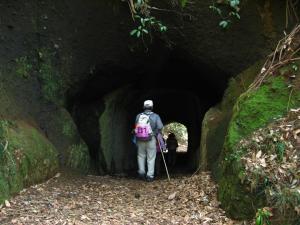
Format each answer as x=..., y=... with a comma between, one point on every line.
x=273, y=160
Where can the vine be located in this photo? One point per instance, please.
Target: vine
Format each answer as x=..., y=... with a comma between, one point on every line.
x=146, y=23
x=234, y=8
x=140, y=10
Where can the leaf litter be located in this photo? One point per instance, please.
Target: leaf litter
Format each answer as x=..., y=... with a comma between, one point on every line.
x=87, y=200
x=272, y=161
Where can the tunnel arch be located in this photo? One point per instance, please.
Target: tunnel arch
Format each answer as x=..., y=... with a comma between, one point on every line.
x=182, y=91
x=180, y=132
x=177, y=161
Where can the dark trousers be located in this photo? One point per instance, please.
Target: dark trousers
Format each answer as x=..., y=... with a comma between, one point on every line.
x=172, y=158
x=158, y=162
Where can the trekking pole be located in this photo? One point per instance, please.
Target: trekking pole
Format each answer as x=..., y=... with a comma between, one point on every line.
x=162, y=154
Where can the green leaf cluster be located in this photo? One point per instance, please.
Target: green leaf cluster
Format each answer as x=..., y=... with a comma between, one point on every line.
x=233, y=7
x=183, y=3
x=145, y=25
x=263, y=217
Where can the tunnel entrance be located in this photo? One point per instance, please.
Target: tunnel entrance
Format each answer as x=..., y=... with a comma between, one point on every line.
x=181, y=135
x=176, y=138
x=106, y=105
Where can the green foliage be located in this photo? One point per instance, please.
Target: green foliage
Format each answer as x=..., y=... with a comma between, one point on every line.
x=280, y=148
x=235, y=155
x=145, y=22
x=23, y=67
x=229, y=9
x=285, y=200
x=224, y=23
x=52, y=84
x=234, y=4
x=4, y=124
x=216, y=9
x=295, y=67
x=79, y=157
x=232, y=7
x=141, y=12
x=183, y=3
x=263, y=217
x=3, y=128
x=145, y=26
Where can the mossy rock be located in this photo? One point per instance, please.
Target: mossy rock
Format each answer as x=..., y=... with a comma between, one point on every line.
x=63, y=133
x=113, y=124
x=26, y=157
x=110, y=120
x=216, y=119
x=257, y=108
x=210, y=124
x=253, y=110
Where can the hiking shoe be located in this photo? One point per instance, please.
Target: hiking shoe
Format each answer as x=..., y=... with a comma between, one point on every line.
x=141, y=176
x=149, y=179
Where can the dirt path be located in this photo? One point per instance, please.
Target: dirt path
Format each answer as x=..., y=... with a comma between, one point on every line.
x=75, y=200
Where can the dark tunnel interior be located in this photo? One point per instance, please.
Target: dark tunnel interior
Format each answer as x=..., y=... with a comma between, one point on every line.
x=182, y=91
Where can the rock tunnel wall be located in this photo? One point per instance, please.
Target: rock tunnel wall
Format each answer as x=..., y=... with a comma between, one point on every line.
x=49, y=50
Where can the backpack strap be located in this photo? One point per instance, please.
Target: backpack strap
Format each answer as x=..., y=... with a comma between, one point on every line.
x=148, y=114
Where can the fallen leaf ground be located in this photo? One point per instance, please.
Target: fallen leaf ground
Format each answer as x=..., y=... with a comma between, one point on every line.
x=81, y=200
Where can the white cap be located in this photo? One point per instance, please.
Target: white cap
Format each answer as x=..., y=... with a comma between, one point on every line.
x=148, y=103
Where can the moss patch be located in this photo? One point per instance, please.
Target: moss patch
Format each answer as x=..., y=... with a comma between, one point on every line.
x=79, y=158
x=23, y=67
x=53, y=83
x=26, y=157
x=252, y=111
x=258, y=108
x=66, y=125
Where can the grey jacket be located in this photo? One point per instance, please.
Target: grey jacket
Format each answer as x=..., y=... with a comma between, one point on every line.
x=155, y=121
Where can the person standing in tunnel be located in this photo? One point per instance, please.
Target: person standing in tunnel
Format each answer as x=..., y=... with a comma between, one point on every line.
x=147, y=126
x=172, y=146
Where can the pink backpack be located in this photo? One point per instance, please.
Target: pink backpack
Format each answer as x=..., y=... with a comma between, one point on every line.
x=143, y=130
